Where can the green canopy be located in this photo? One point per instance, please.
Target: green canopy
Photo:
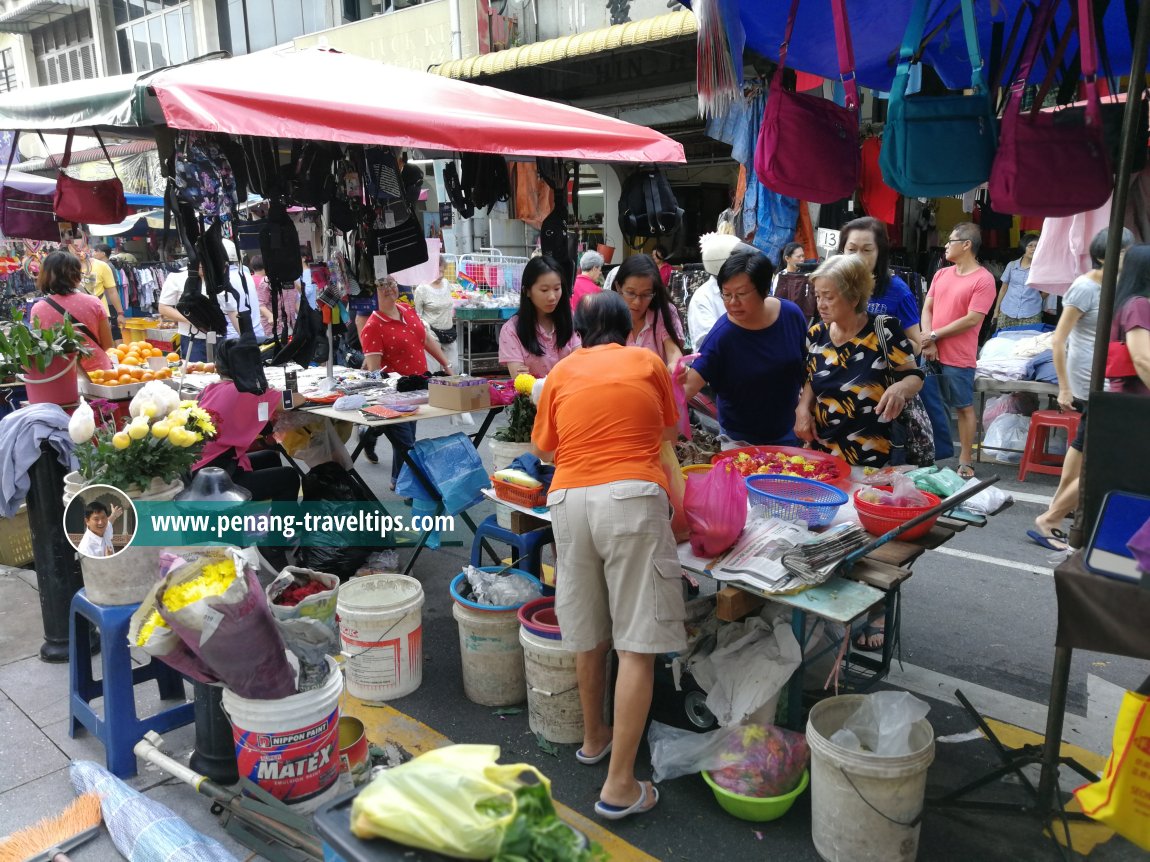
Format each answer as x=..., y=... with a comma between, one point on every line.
x=118, y=101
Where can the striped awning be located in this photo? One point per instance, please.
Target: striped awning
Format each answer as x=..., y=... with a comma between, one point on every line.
x=661, y=28
x=26, y=17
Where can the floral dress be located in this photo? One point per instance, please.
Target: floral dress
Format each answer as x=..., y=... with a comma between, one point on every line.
x=848, y=381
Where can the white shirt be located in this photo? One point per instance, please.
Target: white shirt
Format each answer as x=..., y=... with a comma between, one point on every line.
x=228, y=302
x=170, y=294
x=705, y=308
x=98, y=546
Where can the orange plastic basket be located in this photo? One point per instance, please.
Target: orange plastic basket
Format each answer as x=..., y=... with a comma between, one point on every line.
x=518, y=495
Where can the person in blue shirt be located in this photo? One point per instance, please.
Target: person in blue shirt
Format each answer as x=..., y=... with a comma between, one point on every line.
x=1019, y=305
x=753, y=356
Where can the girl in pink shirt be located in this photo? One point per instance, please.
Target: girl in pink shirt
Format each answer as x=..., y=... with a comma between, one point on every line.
x=655, y=323
x=59, y=282
x=542, y=332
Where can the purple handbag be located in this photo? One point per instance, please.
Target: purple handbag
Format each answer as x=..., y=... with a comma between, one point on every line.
x=808, y=148
x=24, y=215
x=1047, y=165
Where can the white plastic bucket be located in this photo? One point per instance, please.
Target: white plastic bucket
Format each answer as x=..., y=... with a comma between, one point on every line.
x=290, y=746
x=864, y=807
x=493, y=671
x=124, y=579
x=381, y=629
x=553, y=708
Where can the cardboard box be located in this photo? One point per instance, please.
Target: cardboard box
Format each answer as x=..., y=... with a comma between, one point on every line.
x=459, y=393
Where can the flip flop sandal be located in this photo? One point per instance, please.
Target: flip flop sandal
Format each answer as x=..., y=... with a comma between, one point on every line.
x=869, y=631
x=591, y=760
x=618, y=812
x=1048, y=541
x=965, y=471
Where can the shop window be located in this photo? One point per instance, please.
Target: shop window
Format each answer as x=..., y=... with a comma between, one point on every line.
x=153, y=33
x=253, y=25
x=7, y=71
x=64, y=50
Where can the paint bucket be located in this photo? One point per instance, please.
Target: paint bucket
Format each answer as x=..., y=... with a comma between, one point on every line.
x=56, y=384
x=381, y=629
x=553, y=708
x=289, y=746
x=493, y=672
x=354, y=753
x=865, y=807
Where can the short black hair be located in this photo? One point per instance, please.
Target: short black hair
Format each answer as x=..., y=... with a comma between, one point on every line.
x=754, y=264
x=94, y=507
x=1134, y=279
x=603, y=318
x=256, y=262
x=103, y=248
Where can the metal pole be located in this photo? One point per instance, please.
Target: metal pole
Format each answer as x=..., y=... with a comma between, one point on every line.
x=57, y=571
x=215, y=751
x=1055, y=717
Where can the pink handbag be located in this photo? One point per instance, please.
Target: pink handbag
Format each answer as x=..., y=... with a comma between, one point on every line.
x=1046, y=164
x=89, y=201
x=808, y=148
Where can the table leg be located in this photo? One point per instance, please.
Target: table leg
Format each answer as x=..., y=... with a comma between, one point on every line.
x=478, y=436
x=795, y=686
x=1055, y=717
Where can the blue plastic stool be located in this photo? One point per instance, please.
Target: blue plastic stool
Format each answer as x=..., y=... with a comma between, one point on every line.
x=528, y=547
x=119, y=728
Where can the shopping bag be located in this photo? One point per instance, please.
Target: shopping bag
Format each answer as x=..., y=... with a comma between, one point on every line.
x=676, y=488
x=89, y=201
x=716, y=505
x=454, y=468
x=1121, y=799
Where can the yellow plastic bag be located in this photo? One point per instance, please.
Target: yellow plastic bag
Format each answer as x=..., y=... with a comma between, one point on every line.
x=1121, y=799
x=455, y=800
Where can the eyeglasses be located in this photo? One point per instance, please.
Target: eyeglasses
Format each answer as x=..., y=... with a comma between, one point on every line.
x=949, y=241
x=642, y=297
x=728, y=298
x=387, y=285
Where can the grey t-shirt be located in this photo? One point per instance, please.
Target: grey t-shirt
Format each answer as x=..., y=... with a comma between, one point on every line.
x=1083, y=295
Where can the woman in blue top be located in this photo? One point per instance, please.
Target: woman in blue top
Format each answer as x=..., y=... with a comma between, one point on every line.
x=753, y=357
x=867, y=237
x=1019, y=305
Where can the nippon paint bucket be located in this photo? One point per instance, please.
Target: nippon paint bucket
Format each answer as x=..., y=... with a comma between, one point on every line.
x=553, y=707
x=290, y=746
x=865, y=807
x=491, y=655
x=381, y=630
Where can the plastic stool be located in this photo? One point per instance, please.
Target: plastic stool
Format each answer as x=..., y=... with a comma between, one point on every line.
x=1035, y=459
x=527, y=546
x=119, y=728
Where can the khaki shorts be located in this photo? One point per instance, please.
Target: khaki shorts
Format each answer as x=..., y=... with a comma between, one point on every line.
x=618, y=576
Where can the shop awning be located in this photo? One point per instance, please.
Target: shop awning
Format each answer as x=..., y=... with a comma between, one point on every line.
x=649, y=31
x=877, y=27
x=29, y=15
x=105, y=102
x=91, y=154
x=319, y=94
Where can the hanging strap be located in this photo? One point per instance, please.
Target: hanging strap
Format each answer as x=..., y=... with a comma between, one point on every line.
x=843, y=48
x=64, y=313
x=11, y=153
x=1084, y=18
x=910, y=51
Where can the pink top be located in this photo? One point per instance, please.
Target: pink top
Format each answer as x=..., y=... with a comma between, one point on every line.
x=954, y=297
x=83, y=308
x=654, y=333
x=512, y=350
x=1134, y=314
x=584, y=285
x=240, y=420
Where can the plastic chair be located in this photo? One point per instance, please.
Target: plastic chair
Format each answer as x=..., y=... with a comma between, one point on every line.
x=1035, y=459
x=528, y=547
x=119, y=728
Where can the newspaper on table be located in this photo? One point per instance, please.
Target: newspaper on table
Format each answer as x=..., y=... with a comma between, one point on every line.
x=757, y=557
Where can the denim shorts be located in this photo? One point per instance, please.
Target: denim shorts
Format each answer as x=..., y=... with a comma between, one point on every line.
x=957, y=386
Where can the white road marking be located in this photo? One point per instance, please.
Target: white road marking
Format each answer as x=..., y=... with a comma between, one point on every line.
x=1024, y=497
x=996, y=561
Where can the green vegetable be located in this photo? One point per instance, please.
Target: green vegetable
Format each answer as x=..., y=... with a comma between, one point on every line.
x=538, y=835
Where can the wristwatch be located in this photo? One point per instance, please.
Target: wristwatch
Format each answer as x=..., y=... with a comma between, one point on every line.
x=933, y=336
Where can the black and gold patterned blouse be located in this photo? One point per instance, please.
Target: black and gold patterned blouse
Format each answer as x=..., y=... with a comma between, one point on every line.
x=848, y=381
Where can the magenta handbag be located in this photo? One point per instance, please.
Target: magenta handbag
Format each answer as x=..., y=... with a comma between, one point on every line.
x=1046, y=164
x=89, y=201
x=24, y=215
x=808, y=148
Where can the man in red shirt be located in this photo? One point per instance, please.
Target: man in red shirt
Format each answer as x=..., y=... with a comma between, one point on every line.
x=960, y=296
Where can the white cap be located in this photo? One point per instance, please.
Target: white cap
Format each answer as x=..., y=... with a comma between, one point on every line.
x=717, y=247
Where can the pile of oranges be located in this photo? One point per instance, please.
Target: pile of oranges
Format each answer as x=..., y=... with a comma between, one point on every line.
x=132, y=365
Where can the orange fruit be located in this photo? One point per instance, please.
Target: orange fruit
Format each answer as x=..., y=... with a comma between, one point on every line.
x=173, y=357
x=135, y=372
x=126, y=378
x=122, y=346
x=147, y=375
x=130, y=359
x=209, y=368
x=163, y=374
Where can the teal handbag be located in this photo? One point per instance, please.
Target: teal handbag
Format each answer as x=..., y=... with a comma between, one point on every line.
x=938, y=145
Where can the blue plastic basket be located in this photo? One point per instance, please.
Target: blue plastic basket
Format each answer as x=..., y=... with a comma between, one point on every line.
x=795, y=499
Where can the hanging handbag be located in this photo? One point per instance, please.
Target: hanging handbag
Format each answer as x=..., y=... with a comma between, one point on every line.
x=808, y=148
x=89, y=201
x=1047, y=166
x=912, y=435
x=934, y=146
x=24, y=215
x=1119, y=362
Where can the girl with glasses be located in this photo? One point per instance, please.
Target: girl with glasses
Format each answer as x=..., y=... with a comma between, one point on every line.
x=655, y=322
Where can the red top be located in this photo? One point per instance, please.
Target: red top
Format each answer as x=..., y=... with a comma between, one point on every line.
x=398, y=343
x=584, y=285
x=1134, y=314
x=83, y=308
x=241, y=420
x=955, y=296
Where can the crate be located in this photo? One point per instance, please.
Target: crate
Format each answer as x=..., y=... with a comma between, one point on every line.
x=525, y=497
x=16, y=539
x=484, y=313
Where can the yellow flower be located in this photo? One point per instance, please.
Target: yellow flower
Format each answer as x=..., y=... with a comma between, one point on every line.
x=121, y=440
x=524, y=384
x=200, y=418
x=155, y=621
x=138, y=430
x=160, y=429
x=214, y=581
x=179, y=416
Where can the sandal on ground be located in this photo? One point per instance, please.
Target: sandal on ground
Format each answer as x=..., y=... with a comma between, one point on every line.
x=866, y=638
x=640, y=806
x=965, y=471
x=592, y=759
x=1056, y=541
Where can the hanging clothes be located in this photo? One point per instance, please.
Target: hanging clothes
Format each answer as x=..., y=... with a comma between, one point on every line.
x=533, y=198
x=805, y=232
x=878, y=199
x=1063, y=251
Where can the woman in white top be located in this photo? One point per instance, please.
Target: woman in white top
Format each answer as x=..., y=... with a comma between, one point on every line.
x=436, y=308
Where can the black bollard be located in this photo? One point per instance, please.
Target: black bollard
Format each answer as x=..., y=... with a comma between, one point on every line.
x=215, y=751
x=57, y=569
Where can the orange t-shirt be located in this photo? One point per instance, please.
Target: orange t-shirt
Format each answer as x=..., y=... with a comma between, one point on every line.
x=603, y=413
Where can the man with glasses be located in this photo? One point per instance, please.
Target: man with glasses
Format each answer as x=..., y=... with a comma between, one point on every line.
x=960, y=296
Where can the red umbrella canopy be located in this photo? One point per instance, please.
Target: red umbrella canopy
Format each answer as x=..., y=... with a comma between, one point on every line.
x=319, y=94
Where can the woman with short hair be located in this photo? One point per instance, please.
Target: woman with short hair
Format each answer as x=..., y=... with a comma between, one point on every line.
x=59, y=283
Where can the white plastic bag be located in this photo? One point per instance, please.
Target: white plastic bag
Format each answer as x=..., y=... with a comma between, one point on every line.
x=82, y=425
x=1008, y=431
x=882, y=723
x=987, y=501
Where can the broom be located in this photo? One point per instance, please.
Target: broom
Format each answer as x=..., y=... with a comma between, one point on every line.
x=47, y=840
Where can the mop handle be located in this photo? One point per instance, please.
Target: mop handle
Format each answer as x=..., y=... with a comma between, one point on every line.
x=947, y=504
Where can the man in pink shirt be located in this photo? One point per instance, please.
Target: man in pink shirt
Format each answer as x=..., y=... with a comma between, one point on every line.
x=959, y=298
x=589, y=278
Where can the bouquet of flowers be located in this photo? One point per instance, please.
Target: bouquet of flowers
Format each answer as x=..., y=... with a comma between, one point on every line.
x=521, y=414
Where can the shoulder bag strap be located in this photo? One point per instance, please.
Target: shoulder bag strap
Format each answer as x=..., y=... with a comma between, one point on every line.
x=12, y=153
x=80, y=327
x=1038, y=29
x=910, y=52
x=1052, y=65
x=67, y=150
x=100, y=141
x=846, y=54
x=787, y=37
x=977, y=76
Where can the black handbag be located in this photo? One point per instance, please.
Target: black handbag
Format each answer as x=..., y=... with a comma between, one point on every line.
x=202, y=312
x=404, y=245
x=445, y=336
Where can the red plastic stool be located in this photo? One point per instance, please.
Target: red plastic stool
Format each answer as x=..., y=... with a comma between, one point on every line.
x=1036, y=459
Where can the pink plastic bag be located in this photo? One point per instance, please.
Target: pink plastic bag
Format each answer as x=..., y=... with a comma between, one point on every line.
x=716, y=504
x=681, y=395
